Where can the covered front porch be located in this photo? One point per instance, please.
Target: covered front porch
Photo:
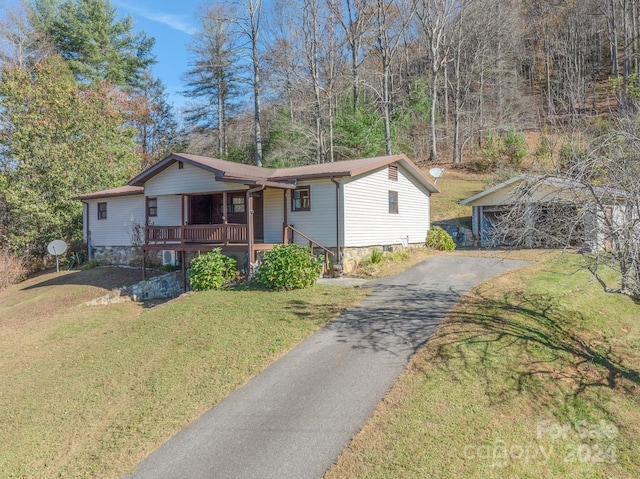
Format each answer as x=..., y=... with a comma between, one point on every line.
x=204, y=227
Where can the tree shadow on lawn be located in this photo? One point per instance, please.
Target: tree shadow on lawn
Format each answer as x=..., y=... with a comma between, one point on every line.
x=534, y=340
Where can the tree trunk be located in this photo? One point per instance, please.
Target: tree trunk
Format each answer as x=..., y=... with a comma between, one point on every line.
x=385, y=106
x=433, y=154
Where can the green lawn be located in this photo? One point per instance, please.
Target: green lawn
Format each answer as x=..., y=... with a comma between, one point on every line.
x=456, y=185
x=535, y=374
x=90, y=391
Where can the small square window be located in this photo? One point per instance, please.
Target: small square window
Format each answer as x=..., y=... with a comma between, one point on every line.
x=102, y=211
x=393, y=202
x=153, y=206
x=301, y=199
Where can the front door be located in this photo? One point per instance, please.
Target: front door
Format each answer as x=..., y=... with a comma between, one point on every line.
x=205, y=210
x=237, y=212
x=258, y=217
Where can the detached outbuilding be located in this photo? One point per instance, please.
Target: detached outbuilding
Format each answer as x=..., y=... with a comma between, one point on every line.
x=544, y=211
x=187, y=203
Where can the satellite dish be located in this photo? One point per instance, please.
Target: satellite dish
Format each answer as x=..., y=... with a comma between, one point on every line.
x=56, y=248
x=436, y=172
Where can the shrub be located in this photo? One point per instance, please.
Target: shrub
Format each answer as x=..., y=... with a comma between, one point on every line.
x=397, y=256
x=376, y=256
x=514, y=148
x=12, y=269
x=91, y=264
x=439, y=239
x=289, y=266
x=212, y=270
x=168, y=268
x=509, y=150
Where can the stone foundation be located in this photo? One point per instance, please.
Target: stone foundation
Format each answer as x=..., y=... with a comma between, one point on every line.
x=351, y=257
x=124, y=256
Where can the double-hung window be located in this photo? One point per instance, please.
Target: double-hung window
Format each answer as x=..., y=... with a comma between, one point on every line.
x=301, y=199
x=102, y=211
x=152, y=206
x=393, y=202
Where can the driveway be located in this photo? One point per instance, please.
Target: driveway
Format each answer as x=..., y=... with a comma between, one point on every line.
x=294, y=419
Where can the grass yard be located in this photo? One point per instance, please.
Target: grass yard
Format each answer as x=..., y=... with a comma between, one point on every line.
x=535, y=374
x=456, y=185
x=90, y=391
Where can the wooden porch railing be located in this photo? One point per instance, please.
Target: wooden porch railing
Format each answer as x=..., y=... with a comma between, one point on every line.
x=222, y=234
x=290, y=229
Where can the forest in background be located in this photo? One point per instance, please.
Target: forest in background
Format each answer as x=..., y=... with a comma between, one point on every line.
x=291, y=82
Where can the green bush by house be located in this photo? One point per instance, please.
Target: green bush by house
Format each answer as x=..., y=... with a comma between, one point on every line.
x=212, y=270
x=289, y=266
x=439, y=239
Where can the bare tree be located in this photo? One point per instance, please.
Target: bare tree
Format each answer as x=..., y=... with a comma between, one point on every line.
x=214, y=71
x=21, y=45
x=310, y=28
x=356, y=19
x=435, y=16
x=591, y=203
x=283, y=59
x=249, y=22
x=391, y=20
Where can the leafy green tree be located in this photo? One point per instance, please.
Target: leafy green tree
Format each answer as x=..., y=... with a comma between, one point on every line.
x=57, y=141
x=359, y=133
x=96, y=45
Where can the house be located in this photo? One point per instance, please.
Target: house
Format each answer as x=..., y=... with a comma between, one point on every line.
x=543, y=211
x=186, y=204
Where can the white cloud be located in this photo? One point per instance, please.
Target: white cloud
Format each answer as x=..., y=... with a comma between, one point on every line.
x=177, y=22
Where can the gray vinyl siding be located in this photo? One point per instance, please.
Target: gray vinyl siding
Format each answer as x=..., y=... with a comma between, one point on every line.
x=122, y=214
x=168, y=211
x=319, y=223
x=190, y=179
x=367, y=221
x=273, y=215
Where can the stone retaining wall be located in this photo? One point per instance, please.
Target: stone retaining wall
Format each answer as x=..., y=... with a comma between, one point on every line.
x=165, y=286
x=461, y=236
x=160, y=287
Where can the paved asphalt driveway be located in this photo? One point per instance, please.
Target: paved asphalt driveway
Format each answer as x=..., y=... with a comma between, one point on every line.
x=294, y=419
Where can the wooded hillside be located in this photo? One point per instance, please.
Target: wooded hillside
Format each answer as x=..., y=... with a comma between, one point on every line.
x=292, y=82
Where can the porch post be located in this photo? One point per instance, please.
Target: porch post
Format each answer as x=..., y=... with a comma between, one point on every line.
x=224, y=207
x=285, y=236
x=184, y=271
x=182, y=217
x=250, y=226
x=144, y=264
x=146, y=220
x=249, y=210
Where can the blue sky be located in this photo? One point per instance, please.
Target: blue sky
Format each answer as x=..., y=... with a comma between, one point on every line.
x=172, y=24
